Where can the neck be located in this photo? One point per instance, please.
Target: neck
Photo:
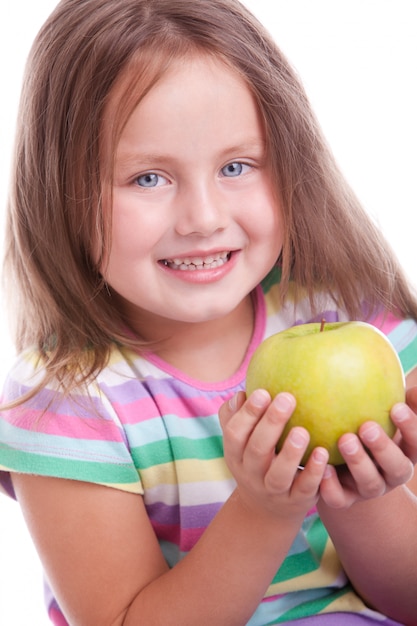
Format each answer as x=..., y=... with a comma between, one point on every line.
x=211, y=351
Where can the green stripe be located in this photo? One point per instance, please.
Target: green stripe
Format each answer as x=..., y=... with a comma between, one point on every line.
x=302, y=563
x=312, y=607
x=89, y=471
x=408, y=356
x=177, y=449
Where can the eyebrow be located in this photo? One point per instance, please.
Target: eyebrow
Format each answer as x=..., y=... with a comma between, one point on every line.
x=246, y=146
x=132, y=158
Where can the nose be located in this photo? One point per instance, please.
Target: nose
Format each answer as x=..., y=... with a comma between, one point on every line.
x=202, y=209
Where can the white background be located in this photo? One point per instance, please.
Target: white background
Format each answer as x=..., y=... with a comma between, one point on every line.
x=358, y=61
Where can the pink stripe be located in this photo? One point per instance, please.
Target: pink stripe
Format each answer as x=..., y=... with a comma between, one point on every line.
x=185, y=540
x=274, y=598
x=57, y=618
x=136, y=412
x=65, y=425
x=147, y=408
x=386, y=322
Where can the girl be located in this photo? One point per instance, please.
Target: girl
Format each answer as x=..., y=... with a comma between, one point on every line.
x=173, y=204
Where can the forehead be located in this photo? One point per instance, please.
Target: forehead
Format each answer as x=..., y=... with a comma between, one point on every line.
x=197, y=110
x=143, y=74
x=199, y=78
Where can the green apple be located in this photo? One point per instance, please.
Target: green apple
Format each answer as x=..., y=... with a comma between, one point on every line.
x=341, y=374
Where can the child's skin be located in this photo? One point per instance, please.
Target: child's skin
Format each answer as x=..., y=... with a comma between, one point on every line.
x=192, y=180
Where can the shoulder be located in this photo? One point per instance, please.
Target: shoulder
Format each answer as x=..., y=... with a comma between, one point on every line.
x=29, y=371
x=402, y=333
x=46, y=431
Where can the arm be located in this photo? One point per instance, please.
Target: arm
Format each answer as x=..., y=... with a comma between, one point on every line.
x=103, y=560
x=372, y=519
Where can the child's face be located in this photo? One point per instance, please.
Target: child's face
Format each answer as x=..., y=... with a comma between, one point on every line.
x=196, y=225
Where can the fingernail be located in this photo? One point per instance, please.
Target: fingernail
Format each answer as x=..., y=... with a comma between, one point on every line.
x=298, y=438
x=233, y=403
x=349, y=446
x=328, y=472
x=320, y=455
x=259, y=397
x=370, y=434
x=284, y=402
x=400, y=412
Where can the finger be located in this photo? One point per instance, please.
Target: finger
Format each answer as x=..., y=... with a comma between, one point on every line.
x=369, y=482
x=331, y=490
x=285, y=466
x=229, y=408
x=406, y=421
x=308, y=480
x=394, y=465
x=238, y=427
x=269, y=429
x=260, y=450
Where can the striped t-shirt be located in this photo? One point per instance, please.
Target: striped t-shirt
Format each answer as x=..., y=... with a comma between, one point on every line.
x=147, y=428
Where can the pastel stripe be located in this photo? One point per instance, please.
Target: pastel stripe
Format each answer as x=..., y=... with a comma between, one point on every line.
x=154, y=429
x=196, y=516
x=190, y=471
x=109, y=451
x=101, y=472
x=307, y=560
x=386, y=322
x=208, y=448
x=315, y=606
x=146, y=408
x=185, y=539
x=192, y=493
x=66, y=425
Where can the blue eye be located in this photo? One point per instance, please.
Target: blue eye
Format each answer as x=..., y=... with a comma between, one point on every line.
x=149, y=180
x=234, y=169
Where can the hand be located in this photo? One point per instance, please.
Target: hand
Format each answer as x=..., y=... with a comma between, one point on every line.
x=270, y=483
x=375, y=464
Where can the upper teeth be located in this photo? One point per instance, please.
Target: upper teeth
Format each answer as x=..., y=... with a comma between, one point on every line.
x=198, y=263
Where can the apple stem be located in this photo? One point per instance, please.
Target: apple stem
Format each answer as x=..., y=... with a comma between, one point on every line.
x=323, y=321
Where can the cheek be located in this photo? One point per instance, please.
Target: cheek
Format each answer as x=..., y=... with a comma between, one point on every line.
x=134, y=240
x=271, y=238
x=265, y=223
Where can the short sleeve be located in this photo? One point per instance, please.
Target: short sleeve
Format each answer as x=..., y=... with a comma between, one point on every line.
x=78, y=437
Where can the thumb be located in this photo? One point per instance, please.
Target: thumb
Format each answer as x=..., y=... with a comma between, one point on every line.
x=231, y=406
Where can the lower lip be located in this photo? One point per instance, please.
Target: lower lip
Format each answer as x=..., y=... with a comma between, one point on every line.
x=203, y=276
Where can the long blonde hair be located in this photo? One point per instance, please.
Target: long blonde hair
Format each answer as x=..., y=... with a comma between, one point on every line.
x=59, y=301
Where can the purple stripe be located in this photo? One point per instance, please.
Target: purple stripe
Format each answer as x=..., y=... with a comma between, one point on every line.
x=78, y=405
x=169, y=388
x=342, y=619
x=186, y=516
x=329, y=316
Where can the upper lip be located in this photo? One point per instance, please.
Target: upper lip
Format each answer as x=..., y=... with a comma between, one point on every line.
x=193, y=254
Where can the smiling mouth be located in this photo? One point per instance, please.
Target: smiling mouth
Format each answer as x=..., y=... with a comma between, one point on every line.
x=198, y=263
